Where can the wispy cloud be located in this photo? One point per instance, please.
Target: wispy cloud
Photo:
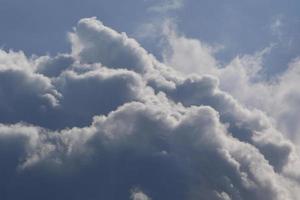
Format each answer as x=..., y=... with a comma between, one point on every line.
x=166, y=5
x=277, y=26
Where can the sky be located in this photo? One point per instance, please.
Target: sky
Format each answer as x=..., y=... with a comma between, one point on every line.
x=149, y=99
x=240, y=27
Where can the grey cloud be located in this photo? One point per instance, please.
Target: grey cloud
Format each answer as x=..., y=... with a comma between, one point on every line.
x=95, y=92
x=242, y=123
x=184, y=157
x=25, y=97
x=53, y=67
x=109, y=121
x=60, y=92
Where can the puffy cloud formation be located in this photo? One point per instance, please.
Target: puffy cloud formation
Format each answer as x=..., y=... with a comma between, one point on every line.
x=109, y=121
x=278, y=97
x=138, y=195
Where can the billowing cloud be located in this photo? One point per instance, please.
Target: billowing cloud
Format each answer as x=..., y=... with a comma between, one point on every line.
x=243, y=78
x=139, y=195
x=109, y=121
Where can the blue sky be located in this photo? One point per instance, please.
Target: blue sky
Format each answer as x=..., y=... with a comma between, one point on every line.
x=241, y=27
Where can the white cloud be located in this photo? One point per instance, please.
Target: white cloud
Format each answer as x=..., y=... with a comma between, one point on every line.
x=93, y=42
x=139, y=195
x=277, y=97
x=182, y=49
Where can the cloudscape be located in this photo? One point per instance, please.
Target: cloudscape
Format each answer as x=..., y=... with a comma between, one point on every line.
x=153, y=114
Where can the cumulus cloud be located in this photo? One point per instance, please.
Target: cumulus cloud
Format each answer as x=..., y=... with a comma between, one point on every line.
x=242, y=78
x=139, y=195
x=109, y=121
x=93, y=42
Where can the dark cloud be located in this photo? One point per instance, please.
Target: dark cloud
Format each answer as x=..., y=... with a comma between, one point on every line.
x=25, y=96
x=53, y=67
x=95, y=92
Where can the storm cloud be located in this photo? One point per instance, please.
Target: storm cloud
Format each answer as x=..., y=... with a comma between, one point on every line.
x=109, y=121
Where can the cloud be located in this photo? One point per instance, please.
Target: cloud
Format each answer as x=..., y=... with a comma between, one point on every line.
x=277, y=26
x=93, y=42
x=109, y=121
x=163, y=6
x=181, y=49
x=53, y=67
x=243, y=78
x=22, y=91
x=141, y=145
x=139, y=195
